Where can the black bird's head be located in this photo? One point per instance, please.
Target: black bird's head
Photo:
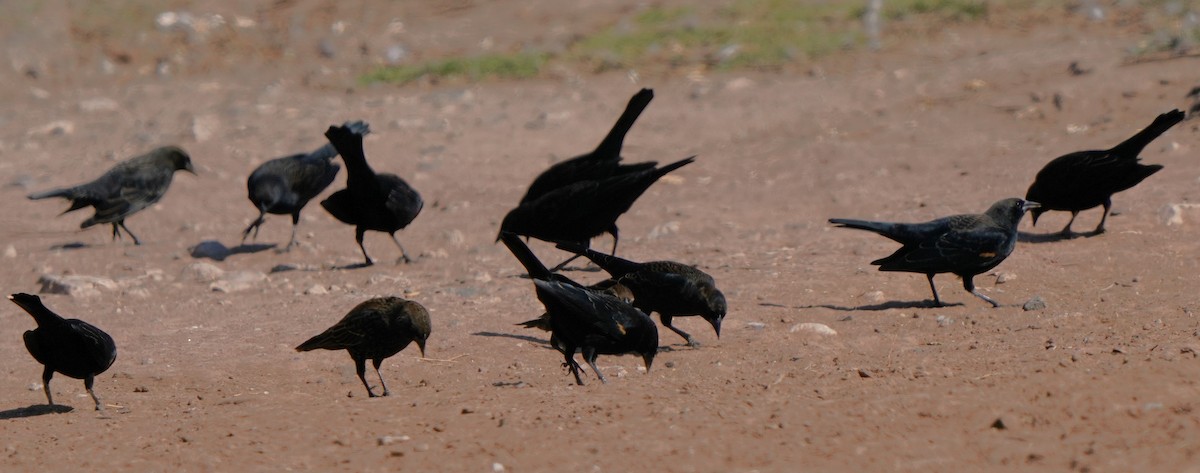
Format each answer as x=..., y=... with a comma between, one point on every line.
x=1009, y=211
x=26, y=301
x=179, y=159
x=716, y=307
x=648, y=345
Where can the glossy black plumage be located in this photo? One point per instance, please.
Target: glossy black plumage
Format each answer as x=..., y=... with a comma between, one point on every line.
x=577, y=212
x=373, y=201
x=590, y=321
x=69, y=346
x=283, y=186
x=965, y=245
x=1087, y=179
x=607, y=286
x=126, y=189
x=604, y=161
x=670, y=288
x=375, y=330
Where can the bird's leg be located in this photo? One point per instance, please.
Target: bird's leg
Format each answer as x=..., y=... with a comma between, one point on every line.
x=563, y=264
x=292, y=240
x=131, y=235
x=937, y=301
x=1107, y=207
x=377, y=362
x=589, y=355
x=1066, y=231
x=253, y=226
x=666, y=321
x=569, y=354
x=46, y=375
x=403, y=254
x=87, y=383
x=116, y=233
x=613, y=231
x=358, y=236
x=969, y=285
x=360, y=366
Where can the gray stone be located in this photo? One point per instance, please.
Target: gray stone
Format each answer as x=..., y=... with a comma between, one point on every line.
x=235, y=281
x=75, y=285
x=1034, y=304
x=202, y=271
x=813, y=328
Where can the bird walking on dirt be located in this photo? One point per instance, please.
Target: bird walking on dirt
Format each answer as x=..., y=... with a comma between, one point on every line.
x=602, y=162
x=69, y=346
x=126, y=189
x=379, y=202
x=590, y=321
x=580, y=211
x=375, y=330
x=670, y=288
x=965, y=245
x=1087, y=179
x=284, y=185
x=607, y=286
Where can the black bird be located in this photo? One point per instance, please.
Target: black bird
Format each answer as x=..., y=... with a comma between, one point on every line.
x=1086, y=179
x=284, y=185
x=607, y=286
x=69, y=346
x=379, y=202
x=586, y=320
x=577, y=212
x=375, y=330
x=604, y=161
x=965, y=245
x=672, y=289
x=127, y=188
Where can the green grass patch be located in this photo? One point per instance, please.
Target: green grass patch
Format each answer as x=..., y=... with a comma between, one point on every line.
x=498, y=66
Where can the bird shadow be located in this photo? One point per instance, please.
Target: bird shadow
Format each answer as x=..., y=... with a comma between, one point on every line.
x=526, y=338
x=75, y=245
x=34, y=411
x=923, y=304
x=352, y=266
x=1025, y=237
x=244, y=249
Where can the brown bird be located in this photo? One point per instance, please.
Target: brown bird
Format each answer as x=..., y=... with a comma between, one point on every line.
x=126, y=189
x=375, y=330
x=69, y=346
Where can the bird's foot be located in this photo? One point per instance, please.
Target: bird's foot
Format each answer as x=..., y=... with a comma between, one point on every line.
x=691, y=342
x=404, y=260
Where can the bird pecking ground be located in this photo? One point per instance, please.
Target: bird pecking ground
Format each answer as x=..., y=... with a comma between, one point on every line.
x=1104, y=378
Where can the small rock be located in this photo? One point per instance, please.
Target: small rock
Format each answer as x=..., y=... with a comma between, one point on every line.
x=873, y=296
x=10, y=252
x=1034, y=304
x=210, y=249
x=202, y=271
x=99, y=104
x=999, y=424
x=1002, y=278
x=497, y=468
x=663, y=230
x=1172, y=214
x=390, y=439
x=284, y=267
x=55, y=128
x=75, y=285
x=756, y=325
x=205, y=127
x=238, y=281
x=863, y=373
x=814, y=328
x=316, y=290
x=944, y=321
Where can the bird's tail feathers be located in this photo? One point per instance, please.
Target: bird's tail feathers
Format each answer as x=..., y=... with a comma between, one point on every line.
x=535, y=267
x=611, y=145
x=1133, y=146
x=66, y=192
x=878, y=227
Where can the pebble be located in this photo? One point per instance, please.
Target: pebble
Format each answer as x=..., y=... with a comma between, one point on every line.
x=814, y=328
x=202, y=272
x=236, y=281
x=756, y=325
x=1034, y=304
x=390, y=439
x=316, y=290
x=1002, y=278
x=944, y=321
x=75, y=285
x=10, y=252
x=1172, y=214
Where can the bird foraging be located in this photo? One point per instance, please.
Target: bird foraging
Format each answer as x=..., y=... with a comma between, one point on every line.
x=965, y=245
x=69, y=346
x=375, y=330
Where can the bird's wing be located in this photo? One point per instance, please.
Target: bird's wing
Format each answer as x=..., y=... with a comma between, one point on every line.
x=956, y=249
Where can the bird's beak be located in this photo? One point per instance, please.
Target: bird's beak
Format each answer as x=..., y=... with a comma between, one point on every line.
x=191, y=169
x=649, y=359
x=1026, y=205
x=716, y=323
x=421, y=345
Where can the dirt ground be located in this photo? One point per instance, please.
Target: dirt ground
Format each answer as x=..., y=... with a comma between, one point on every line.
x=1102, y=379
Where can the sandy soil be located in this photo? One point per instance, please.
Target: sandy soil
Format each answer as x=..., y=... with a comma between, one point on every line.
x=1102, y=379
